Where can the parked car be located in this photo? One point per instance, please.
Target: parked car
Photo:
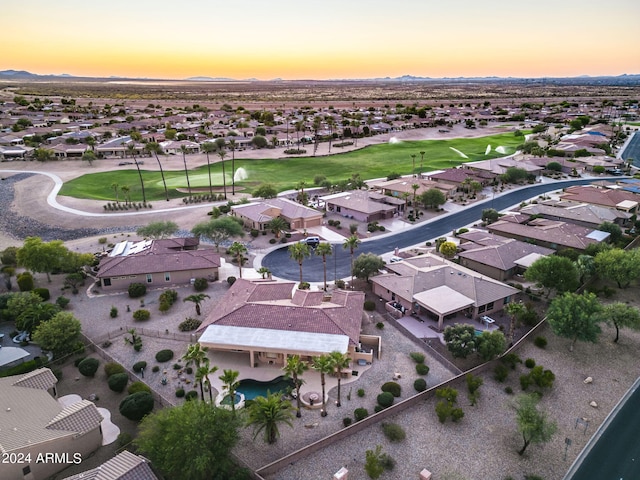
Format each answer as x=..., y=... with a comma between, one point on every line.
x=313, y=242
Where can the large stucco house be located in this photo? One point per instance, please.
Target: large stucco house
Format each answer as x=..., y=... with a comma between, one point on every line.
x=257, y=215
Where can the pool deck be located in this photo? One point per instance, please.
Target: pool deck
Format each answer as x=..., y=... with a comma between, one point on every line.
x=264, y=373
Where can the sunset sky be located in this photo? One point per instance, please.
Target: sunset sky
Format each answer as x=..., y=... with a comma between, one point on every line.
x=327, y=39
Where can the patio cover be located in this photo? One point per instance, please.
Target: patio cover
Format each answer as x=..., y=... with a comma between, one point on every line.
x=11, y=354
x=244, y=338
x=527, y=260
x=443, y=300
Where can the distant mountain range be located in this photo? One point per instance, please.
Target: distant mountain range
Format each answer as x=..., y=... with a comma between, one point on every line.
x=625, y=79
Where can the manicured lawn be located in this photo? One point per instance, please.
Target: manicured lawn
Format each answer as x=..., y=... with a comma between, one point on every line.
x=375, y=161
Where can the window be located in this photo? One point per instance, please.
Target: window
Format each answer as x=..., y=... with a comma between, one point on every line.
x=338, y=209
x=106, y=282
x=489, y=306
x=149, y=278
x=26, y=470
x=482, y=308
x=167, y=277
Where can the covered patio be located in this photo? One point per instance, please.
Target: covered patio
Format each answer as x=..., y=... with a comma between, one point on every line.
x=442, y=301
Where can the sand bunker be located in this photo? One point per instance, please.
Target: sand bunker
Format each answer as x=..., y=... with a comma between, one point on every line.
x=488, y=150
x=501, y=149
x=458, y=152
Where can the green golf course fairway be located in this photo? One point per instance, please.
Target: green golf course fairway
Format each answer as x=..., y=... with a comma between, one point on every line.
x=375, y=161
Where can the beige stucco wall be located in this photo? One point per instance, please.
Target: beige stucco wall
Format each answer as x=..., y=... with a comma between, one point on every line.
x=158, y=280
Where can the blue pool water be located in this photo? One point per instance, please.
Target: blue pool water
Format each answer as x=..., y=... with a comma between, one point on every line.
x=255, y=388
x=478, y=332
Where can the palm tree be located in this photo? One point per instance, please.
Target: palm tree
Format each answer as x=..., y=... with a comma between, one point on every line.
x=197, y=299
x=324, y=365
x=300, y=187
x=131, y=150
x=211, y=370
x=238, y=250
x=222, y=153
x=339, y=362
x=351, y=243
x=278, y=225
x=208, y=148
x=294, y=367
x=196, y=355
x=126, y=192
x=331, y=122
x=232, y=145
x=154, y=148
x=89, y=157
x=299, y=127
x=421, y=160
x=322, y=250
x=183, y=149
x=415, y=188
x=514, y=310
x=201, y=373
x=230, y=380
x=266, y=413
x=405, y=196
x=413, y=169
x=298, y=252
x=264, y=271
x=115, y=187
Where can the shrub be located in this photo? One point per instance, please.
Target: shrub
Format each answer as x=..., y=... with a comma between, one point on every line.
x=139, y=366
x=511, y=360
x=124, y=439
x=118, y=381
x=177, y=366
x=164, y=356
x=393, y=388
x=393, y=432
x=88, y=367
x=500, y=373
x=77, y=361
x=508, y=390
x=137, y=289
x=360, y=392
x=62, y=302
x=231, y=280
x=43, y=293
x=155, y=369
x=378, y=408
x=189, y=370
x=420, y=384
x=167, y=299
x=138, y=387
x=379, y=325
x=417, y=357
x=540, y=342
x=180, y=392
x=346, y=421
x=422, y=369
x=529, y=363
x=136, y=406
x=340, y=284
x=200, y=284
x=191, y=395
x=189, y=324
x=113, y=313
x=112, y=368
x=385, y=399
x=456, y=414
x=25, y=282
x=360, y=413
x=369, y=305
x=141, y=315
x=525, y=381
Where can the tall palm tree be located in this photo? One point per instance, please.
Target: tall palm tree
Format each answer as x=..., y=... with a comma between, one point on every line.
x=413, y=169
x=324, y=365
x=229, y=379
x=115, y=187
x=515, y=311
x=331, y=122
x=211, y=371
x=131, y=150
x=154, y=148
x=298, y=252
x=278, y=225
x=208, y=148
x=405, y=196
x=183, y=149
x=322, y=250
x=421, y=161
x=196, y=355
x=126, y=192
x=197, y=299
x=201, y=373
x=232, y=145
x=294, y=367
x=339, y=362
x=299, y=127
x=415, y=188
x=267, y=413
x=351, y=243
x=222, y=153
x=238, y=250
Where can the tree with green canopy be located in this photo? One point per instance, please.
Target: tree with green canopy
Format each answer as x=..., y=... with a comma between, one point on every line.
x=575, y=317
x=323, y=250
x=237, y=251
x=533, y=424
x=267, y=413
x=59, y=335
x=218, y=230
x=553, y=273
x=158, y=229
x=197, y=299
x=620, y=266
x=339, y=362
x=621, y=315
x=42, y=257
x=229, y=379
x=298, y=252
x=351, y=244
x=294, y=367
x=174, y=440
x=366, y=265
x=324, y=365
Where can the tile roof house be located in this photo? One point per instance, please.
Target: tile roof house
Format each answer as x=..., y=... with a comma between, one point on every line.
x=402, y=186
x=503, y=259
x=363, y=205
x=33, y=423
x=124, y=466
x=584, y=214
x=267, y=321
x=156, y=263
x=550, y=233
x=257, y=215
x=430, y=285
x=606, y=197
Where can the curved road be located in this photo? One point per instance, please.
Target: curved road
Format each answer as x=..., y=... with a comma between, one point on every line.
x=339, y=264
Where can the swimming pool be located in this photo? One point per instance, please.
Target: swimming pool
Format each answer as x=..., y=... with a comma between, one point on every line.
x=255, y=388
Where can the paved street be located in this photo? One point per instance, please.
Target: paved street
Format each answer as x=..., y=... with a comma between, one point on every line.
x=339, y=264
